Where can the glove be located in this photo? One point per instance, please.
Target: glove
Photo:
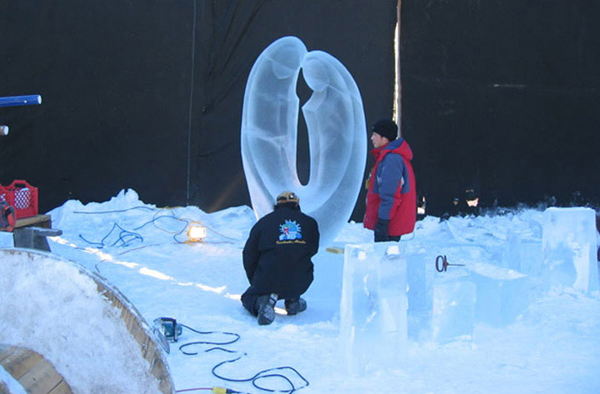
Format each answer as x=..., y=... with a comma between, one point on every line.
x=381, y=230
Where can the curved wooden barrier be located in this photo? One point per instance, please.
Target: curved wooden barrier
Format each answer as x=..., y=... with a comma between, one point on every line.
x=137, y=328
x=32, y=371
x=135, y=323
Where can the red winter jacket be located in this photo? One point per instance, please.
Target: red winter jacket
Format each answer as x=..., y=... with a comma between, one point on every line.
x=388, y=197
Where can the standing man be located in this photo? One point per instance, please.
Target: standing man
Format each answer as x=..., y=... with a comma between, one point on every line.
x=277, y=259
x=391, y=191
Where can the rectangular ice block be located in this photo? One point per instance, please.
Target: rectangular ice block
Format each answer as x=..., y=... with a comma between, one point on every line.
x=570, y=248
x=373, y=307
x=453, y=309
x=532, y=257
x=420, y=295
x=501, y=294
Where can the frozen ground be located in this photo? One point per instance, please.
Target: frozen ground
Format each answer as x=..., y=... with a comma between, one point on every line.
x=553, y=347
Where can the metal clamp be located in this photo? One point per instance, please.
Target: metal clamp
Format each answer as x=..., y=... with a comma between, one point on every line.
x=444, y=263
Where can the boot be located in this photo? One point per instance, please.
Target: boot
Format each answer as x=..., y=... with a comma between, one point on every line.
x=295, y=306
x=266, y=308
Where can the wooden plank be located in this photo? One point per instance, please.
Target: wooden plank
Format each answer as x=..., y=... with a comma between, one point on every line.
x=44, y=221
x=20, y=362
x=61, y=388
x=148, y=349
x=33, y=372
x=41, y=378
x=6, y=350
x=165, y=385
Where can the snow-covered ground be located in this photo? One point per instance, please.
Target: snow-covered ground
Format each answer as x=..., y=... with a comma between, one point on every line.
x=553, y=347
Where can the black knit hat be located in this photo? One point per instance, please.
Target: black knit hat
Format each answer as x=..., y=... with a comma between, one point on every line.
x=386, y=128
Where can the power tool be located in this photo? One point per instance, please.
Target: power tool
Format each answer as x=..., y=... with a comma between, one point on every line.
x=167, y=330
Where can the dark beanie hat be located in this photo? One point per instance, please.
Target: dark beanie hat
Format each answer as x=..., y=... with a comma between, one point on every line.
x=386, y=128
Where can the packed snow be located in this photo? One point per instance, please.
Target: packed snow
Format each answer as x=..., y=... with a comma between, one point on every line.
x=71, y=325
x=551, y=346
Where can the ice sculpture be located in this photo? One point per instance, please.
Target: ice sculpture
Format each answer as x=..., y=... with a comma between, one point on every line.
x=336, y=132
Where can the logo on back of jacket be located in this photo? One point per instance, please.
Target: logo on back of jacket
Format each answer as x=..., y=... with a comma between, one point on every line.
x=290, y=232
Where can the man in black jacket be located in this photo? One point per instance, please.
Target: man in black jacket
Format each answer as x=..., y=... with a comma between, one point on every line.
x=277, y=259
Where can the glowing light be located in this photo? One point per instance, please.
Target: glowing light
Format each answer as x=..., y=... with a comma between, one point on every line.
x=421, y=204
x=473, y=203
x=196, y=232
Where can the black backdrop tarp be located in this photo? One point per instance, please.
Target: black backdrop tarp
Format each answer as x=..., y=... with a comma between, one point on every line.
x=503, y=96
x=148, y=94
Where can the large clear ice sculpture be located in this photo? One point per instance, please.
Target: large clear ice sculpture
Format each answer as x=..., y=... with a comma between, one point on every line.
x=336, y=126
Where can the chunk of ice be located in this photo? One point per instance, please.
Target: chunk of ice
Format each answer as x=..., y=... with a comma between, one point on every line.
x=373, y=325
x=453, y=308
x=420, y=295
x=501, y=294
x=570, y=248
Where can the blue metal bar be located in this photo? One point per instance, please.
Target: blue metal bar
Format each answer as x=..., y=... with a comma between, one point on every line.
x=20, y=100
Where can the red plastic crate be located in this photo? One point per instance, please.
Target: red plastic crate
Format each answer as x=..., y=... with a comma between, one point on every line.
x=22, y=196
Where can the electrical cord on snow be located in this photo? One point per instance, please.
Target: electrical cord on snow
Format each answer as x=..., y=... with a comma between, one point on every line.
x=115, y=211
x=127, y=237
x=175, y=233
x=215, y=390
x=188, y=221
x=235, y=339
x=264, y=374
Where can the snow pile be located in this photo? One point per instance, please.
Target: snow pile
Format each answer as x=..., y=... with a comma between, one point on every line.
x=49, y=306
